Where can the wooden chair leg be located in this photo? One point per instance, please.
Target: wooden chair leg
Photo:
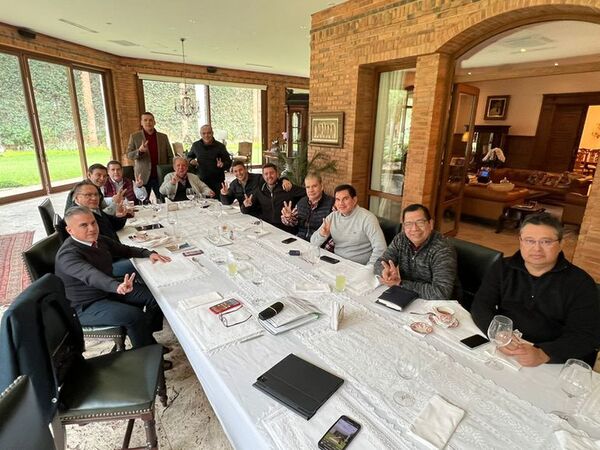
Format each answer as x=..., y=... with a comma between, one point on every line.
x=162, y=388
x=128, y=432
x=151, y=438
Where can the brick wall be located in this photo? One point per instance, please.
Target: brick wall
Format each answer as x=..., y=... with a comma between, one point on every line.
x=124, y=79
x=350, y=42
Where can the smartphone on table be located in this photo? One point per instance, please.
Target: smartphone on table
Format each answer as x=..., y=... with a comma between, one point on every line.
x=341, y=433
x=154, y=226
x=289, y=240
x=329, y=259
x=225, y=306
x=474, y=341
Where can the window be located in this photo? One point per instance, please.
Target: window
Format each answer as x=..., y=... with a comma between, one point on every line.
x=234, y=113
x=390, y=147
x=18, y=162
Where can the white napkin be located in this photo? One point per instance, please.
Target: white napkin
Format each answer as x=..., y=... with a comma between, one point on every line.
x=311, y=288
x=436, y=423
x=200, y=300
x=568, y=441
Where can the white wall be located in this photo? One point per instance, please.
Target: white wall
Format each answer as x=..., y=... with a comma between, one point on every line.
x=592, y=125
x=526, y=96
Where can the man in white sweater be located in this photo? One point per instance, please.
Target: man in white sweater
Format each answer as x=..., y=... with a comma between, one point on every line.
x=355, y=230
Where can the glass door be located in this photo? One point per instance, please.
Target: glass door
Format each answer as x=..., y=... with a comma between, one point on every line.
x=19, y=163
x=455, y=159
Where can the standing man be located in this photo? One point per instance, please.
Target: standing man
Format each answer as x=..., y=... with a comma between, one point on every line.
x=419, y=258
x=148, y=148
x=211, y=159
x=175, y=184
x=355, y=230
x=310, y=211
x=270, y=197
x=551, y=301
x=84, y=264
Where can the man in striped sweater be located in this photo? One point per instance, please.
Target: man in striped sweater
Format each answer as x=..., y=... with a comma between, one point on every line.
x=419, y=258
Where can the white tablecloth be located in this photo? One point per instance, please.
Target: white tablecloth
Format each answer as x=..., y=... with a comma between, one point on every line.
x=503, y=409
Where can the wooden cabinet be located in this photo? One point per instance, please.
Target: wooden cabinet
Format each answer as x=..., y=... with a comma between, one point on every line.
x=296, y=112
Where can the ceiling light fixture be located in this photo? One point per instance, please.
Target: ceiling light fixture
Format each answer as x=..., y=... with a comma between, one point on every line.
x=186, y=106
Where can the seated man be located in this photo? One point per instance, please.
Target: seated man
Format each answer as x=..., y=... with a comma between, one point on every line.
x=97, y=174
x=84, y=264
x=419, y=258
x=310, y=211
x=86, y=194
x=116, y=182
x=175, y=183
x=551, y=301
x=270, y=196
x=355, y=230
x=243, y=185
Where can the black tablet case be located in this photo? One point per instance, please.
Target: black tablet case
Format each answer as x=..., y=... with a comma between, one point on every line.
x=399, y=296
x=298, y=384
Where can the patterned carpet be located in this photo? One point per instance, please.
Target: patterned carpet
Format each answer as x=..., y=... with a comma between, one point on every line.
x=13, y=275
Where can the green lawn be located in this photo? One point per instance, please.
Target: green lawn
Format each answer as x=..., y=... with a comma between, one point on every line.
x=19, y=168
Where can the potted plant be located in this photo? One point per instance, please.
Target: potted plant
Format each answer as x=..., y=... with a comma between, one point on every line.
x=296, y=168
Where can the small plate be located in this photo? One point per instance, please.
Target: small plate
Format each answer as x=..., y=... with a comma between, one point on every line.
x=434, y=320
x=421, y=327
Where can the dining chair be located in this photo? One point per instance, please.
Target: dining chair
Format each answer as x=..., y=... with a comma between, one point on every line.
x=22, y=425
x=41, y=337
x=161, y=171
x=473, y=261
x=128, y=172
x=390, y=228
x=39, y=260
x=47, y=212
x=244, y=153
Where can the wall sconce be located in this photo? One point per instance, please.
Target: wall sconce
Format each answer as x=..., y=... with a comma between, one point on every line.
x=466, y=137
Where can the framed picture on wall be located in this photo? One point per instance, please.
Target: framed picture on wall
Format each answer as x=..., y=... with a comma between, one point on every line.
x=326, y=129
x=496, y=107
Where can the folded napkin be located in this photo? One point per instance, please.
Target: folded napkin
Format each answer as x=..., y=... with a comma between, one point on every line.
x=568, y=441
x=508, y=361
x=435, y=425
x=199, y=300
x=591, y=405
x=311, y=288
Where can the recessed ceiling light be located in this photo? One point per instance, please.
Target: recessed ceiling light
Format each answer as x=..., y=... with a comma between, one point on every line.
x=191, y=21
x=469, y=73
x=108, y=23
x=523, y=50
x=555, y=64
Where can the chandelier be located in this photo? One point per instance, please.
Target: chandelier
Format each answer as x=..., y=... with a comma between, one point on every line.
x=186, y=106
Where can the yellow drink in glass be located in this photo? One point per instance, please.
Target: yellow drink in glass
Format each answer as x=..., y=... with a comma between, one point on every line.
x=233, y=268
x=340, y=283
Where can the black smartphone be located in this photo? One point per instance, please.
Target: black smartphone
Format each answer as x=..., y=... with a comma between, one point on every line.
x=474, y=341
x=339, y=436
x=288, y=240
x=329, y=259
x=294, y=252
x=154, y=226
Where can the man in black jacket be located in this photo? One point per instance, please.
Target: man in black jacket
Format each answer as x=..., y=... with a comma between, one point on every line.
x=243, y=185
x=211, y=159
x=551, y=301
x=84, y=264
x=271, y=196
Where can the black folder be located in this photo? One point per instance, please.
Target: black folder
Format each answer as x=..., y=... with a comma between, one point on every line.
x=298, y=384
x=397, y=298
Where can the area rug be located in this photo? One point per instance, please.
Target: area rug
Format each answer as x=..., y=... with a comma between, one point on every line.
x=13, y=274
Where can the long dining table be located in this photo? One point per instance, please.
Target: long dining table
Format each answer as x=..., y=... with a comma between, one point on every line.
x=245, y=259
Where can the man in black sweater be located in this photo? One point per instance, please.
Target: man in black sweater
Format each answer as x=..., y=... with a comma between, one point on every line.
x=211, y=158
x=270, y=196
x=84, y=264
x=551, y=301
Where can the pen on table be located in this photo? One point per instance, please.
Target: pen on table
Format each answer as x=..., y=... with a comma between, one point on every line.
x=249, y=338
x=197, y=261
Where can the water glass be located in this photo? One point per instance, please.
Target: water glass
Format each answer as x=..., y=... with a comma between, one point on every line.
x=575, y=380
x=257, y=228
x=257, y=276
x=190, y=194
x=232, y=266
x=313, y=253
x=340, y=283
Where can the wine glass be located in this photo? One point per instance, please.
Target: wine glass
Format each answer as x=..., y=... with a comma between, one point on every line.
x=155, y=209
x=190, y=194
x=575, y=380
x=258, y=227
x=500, y=333
x=408, y=368
x=142, y=195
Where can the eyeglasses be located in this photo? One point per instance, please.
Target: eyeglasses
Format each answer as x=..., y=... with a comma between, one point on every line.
x=228, y=322
x=417, y=223
x=546, y=243
x=90, y=195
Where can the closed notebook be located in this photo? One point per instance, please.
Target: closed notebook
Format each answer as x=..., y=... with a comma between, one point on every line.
x=298, y=384
x=397, y=298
